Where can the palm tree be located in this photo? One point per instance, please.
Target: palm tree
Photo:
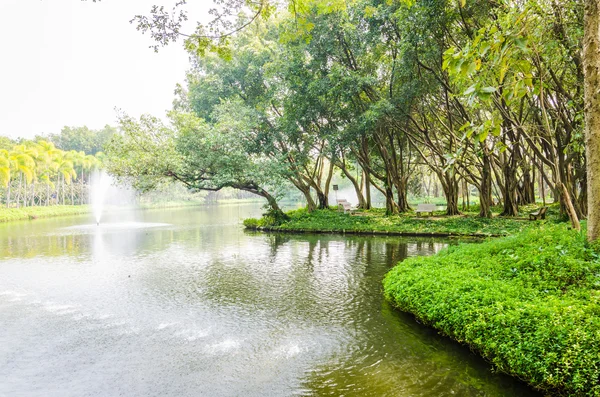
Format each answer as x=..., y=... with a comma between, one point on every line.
x=5, y=170
x=66, y=172
x=24, y=164
x=44, y=166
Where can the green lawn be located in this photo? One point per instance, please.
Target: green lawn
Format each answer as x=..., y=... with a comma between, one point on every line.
x=375, y=220
x=17, y=214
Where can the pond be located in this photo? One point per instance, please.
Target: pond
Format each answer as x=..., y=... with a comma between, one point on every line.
x=184, y=302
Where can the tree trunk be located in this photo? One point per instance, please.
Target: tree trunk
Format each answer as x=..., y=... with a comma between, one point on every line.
x=572, y=214
x=391, y=208
x=323, y=201
x=485, y=189
x=367, y=191
x=509, y=191
x=451, y=193
x=591, y=68
x=310, y=203
x=402, y=190
x=18, y=198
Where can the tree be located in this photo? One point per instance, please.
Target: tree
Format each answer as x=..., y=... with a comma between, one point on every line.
x=82, y=139
x=201, y=155
x=591, y=62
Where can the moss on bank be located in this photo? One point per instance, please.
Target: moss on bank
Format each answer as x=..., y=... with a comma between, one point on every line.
x=375, y=221
x=529, y=303
x=18, y=214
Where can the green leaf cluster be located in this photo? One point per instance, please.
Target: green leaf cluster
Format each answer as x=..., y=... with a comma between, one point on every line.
x=529, y=303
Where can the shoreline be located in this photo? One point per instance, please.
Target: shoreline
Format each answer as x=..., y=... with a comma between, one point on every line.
x=275, y=229
x=33, y=213
x=56, y=211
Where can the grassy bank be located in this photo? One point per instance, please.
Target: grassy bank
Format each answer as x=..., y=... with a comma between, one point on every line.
x=375, y=221
x=529, y=303
x=18, y=214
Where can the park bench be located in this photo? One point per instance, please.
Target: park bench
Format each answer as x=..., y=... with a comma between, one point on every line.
x=425, y=208
x=344, y=205
x=539, y=214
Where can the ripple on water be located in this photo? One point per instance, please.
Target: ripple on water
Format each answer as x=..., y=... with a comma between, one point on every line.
x=115, y=226
x=211, y=310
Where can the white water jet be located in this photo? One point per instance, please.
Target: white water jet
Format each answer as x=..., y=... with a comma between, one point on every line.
x=101, y=181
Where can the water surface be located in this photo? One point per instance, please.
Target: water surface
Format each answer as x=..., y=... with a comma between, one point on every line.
x=186, y=303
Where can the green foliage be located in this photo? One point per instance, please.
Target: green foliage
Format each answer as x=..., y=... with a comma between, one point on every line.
x=202, y=155
x=530, y=304
x=271, y=218
x=251, y=223
x=376, y=221
x=33, y=171
x=82, y=139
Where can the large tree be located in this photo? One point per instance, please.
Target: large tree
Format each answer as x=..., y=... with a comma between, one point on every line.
x=201, y=155
x=591, y=61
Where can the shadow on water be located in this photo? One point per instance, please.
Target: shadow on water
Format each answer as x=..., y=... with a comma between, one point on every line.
x=197, y=306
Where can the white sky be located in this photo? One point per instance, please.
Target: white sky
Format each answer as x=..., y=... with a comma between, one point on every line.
x=68, y=62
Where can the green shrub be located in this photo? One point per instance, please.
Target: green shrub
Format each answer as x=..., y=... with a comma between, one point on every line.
x=251, y=223
x=530, y=304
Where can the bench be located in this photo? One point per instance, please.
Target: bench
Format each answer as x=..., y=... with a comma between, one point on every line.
x=426, y=208
x=539, y=214
x=344, y=205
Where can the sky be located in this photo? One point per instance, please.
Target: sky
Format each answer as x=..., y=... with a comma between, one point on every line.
x=72, y=62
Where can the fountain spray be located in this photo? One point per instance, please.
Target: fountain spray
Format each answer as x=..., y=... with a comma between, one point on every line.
x=100, y=184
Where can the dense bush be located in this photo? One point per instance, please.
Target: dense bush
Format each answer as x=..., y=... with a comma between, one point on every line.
x=251, y=223
x=529, y=303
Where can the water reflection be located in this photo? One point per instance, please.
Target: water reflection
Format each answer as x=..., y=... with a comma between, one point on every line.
x=200, y=307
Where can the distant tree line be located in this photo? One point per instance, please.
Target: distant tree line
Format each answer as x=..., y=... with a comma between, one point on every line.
x=51, y=170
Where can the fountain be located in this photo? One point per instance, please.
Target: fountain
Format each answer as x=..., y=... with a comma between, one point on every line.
x=103, y=190
x=101, y=181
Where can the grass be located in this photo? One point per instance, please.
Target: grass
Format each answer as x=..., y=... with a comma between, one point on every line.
x=18, y=214
x=529, y=303
x=375, y=221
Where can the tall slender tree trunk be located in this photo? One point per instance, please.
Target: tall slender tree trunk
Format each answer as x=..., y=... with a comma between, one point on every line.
x=541, y=185
x=485, y=187
x=18, y=198
x=591, y=68
x=391, y=208
x=81, y=192
x=367, y=191
x=310, y=203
